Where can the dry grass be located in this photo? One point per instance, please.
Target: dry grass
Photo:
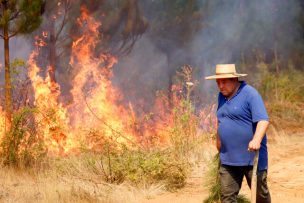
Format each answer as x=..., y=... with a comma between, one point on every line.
x=72, y=179
x=53, y=185
x=69, y=180
x=280, y=141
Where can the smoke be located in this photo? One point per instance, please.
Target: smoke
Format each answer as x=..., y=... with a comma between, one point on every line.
x=204, y=34
x=20, y=49
x=240, y=27
x=142, y=72
x=229, y=32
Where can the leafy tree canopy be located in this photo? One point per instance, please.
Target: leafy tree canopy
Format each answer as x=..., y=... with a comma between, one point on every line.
x=20, y=16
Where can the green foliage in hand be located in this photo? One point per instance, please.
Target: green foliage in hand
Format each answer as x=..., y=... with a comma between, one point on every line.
x=214, y=186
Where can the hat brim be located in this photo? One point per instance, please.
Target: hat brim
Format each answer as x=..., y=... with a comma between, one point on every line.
x=222, y=76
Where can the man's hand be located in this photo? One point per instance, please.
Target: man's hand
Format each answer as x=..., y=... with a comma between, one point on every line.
x=254, y=145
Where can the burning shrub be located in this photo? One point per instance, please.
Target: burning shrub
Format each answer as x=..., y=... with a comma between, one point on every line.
x=119, y=162
x=22, y=146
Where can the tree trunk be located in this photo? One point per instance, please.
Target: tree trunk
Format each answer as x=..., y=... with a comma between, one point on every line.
x=52, y=53
x=169, y=91
x=8, y=83
x=170, y=81
x=276, y=58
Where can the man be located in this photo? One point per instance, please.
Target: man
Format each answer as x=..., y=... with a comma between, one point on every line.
x=242, y=124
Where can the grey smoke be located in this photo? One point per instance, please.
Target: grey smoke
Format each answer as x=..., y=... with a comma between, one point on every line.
x=230, y=28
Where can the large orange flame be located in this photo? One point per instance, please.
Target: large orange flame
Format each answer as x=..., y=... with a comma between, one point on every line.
x=95, y=100
x=96, y=112
x=52, y=116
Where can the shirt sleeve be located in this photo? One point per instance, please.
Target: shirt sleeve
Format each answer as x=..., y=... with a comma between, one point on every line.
x=257, y=107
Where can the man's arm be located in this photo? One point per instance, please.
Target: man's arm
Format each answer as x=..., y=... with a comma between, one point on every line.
x=218, y=142
x=255, y=143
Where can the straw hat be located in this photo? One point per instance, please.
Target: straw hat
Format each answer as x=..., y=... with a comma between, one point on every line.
x=225, y=71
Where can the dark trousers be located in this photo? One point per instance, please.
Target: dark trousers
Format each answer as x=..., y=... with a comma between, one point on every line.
x=231, y=178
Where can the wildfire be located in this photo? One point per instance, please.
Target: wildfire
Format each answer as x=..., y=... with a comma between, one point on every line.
x=52, y=117
x=39, y=42
x=95, y=100
x=2, y=123
x=2, y=118
x=96, y=112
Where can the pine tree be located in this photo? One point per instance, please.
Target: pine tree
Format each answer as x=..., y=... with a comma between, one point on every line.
x=16, y=17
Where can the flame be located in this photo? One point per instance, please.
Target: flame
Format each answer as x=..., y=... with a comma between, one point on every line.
x=39, y=42
x=45, y=34
x=95, y=100
x=2, y=123
x=208, y=120
x=96, y=112
x=2, y=118
x=52, y=117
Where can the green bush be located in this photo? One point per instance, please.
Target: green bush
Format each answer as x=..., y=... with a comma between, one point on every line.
x=140, y=167
x=284, y=98
x=183, y=134
x=170, y=166
x=22, y=147
x=284, y=87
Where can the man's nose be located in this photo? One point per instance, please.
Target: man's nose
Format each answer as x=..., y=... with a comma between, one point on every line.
x=220, y=85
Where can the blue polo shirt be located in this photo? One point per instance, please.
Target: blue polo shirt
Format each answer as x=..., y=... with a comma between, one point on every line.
x=237, y=120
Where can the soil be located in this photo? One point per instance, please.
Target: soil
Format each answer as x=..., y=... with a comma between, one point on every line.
x=285, y=174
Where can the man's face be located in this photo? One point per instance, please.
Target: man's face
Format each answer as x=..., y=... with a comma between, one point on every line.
x=227, y=86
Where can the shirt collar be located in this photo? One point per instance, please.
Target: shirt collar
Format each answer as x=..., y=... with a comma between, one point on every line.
x=242, y=84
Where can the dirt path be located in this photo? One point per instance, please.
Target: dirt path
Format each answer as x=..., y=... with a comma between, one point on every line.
x=285, y=175
x=286, y=172
x=194, y=191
